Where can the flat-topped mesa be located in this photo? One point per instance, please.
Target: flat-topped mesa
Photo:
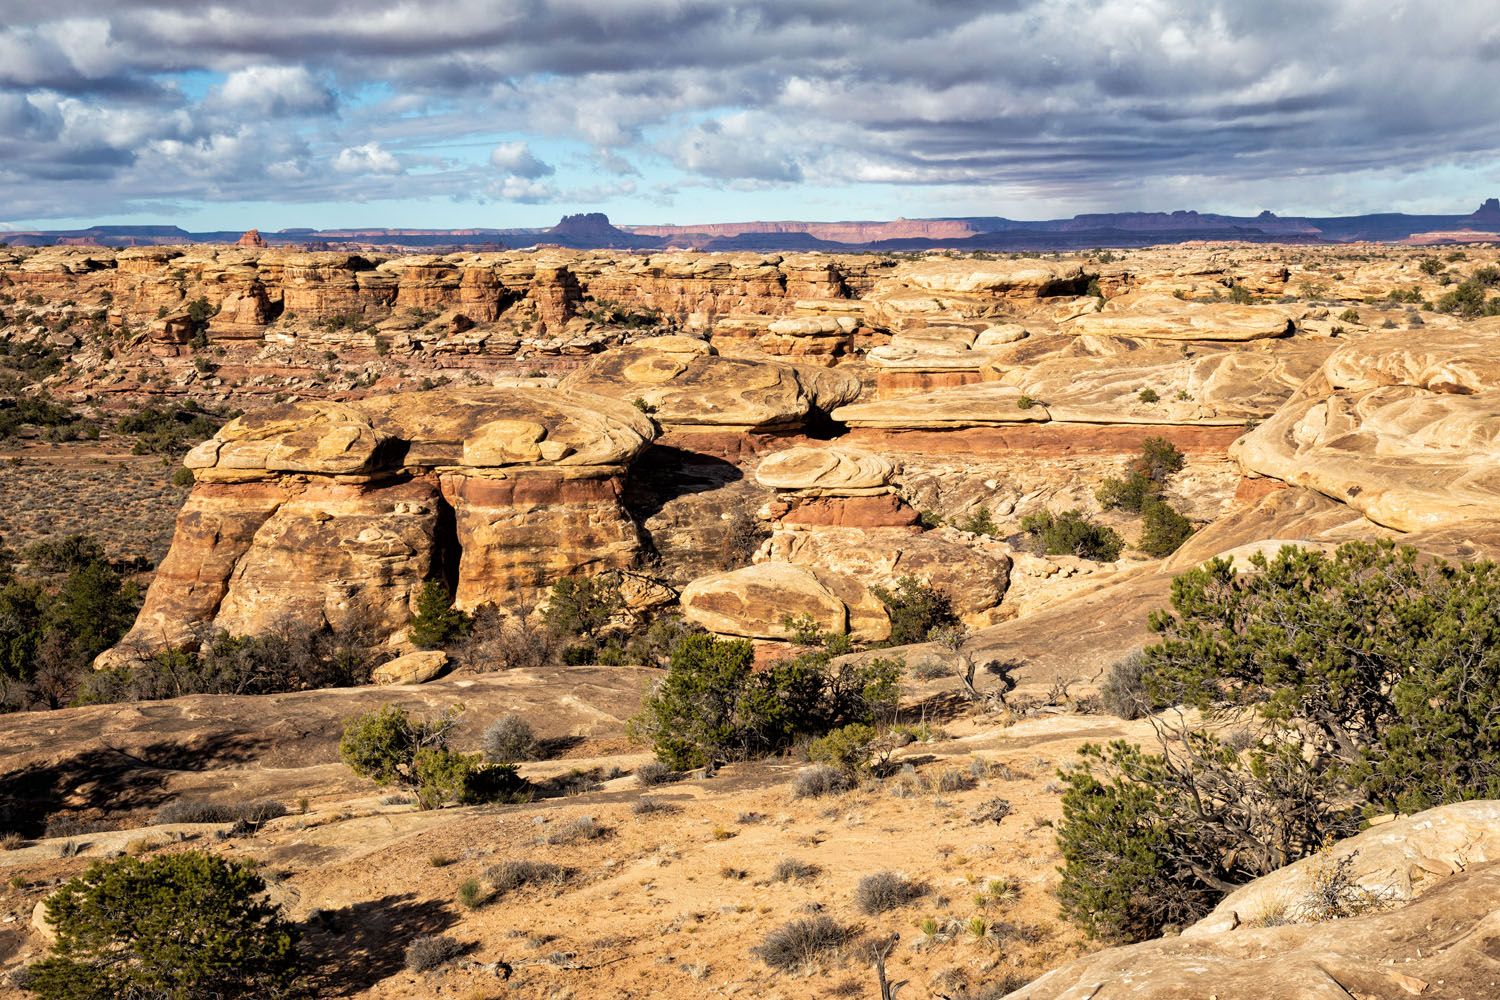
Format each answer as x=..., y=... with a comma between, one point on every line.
x=335, y=514
x=1401, y=429
x=833, y=487
x=704, y=400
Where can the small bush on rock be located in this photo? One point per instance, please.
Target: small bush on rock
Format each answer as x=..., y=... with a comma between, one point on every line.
x=1072, y=534
x=1163, y=530
x=915, y=610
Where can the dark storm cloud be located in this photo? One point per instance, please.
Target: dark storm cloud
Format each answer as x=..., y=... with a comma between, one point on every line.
x=1067, y=96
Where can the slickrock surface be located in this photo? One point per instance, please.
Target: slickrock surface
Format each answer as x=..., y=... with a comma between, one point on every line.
x=1163, y=317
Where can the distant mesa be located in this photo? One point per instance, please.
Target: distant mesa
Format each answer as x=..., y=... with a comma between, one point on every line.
x=595, y=231
x=252, y=238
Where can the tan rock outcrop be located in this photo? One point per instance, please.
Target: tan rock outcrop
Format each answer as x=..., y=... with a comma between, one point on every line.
x=686, y=389
x=334, y=514
x=1404, y=434
x=835, y=471
x=975, y=579
x=1163, y=317
x=754, y=602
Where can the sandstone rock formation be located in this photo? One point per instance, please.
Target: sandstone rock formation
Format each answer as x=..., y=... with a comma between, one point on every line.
x=754, y=602
x=688, y=387
x=1164, y=317
x=1400, y=431
x=335, y=513
x=975, y=578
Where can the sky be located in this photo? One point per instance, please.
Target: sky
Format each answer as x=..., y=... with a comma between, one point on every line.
x=510, y=113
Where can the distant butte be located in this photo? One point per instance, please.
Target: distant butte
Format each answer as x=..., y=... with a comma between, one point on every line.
x=595, y=231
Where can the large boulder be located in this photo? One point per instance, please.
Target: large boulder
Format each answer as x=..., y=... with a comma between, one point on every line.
x=411, y=668
x=755, y=601
x=974, y=578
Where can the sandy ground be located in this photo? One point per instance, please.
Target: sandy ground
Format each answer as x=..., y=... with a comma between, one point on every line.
x=664, y=904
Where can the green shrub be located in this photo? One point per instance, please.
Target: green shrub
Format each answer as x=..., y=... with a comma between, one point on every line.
x=437, y=622
x=383, y=745
x=1368, y=677
x=1070, y=533
x=980, y=522
x=1127, y=873
x=712, y=707
x=1469, y=300
x=1163, y=530
x=178, y=925
x=848, y=748
x=915, y=609
x=691, y=718
x=169, y=430
x=1145, y=475
x=1240, y=295
x=1148, y=395
x=1130, y=493
x=183, y=478
x=1431, y=266
x=581, y=607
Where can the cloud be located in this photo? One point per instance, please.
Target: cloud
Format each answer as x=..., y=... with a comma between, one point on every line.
x=275, y=91
x=108, y=106
x=366, y=159
x=523, y=190
x=516, y=158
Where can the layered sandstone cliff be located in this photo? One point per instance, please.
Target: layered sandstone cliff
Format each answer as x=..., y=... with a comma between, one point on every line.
x=331, y=514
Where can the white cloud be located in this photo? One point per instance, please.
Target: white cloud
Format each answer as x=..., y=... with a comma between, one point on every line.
x=366, y=159
x=516, y=159
x=524, y=190
x=275, y=91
